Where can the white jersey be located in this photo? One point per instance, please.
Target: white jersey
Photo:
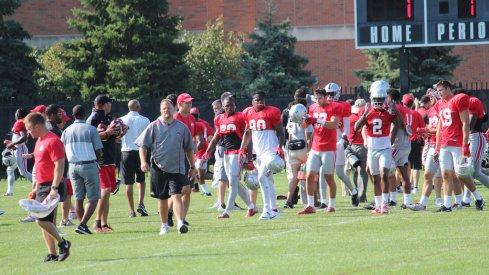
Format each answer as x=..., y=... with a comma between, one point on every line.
x=297, y=132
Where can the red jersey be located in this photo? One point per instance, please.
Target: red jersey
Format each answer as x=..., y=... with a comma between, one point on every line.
x=200, y=130
x=448, y=115
x=345, y=113
x=262, y=124
x=49, y=148
x=432, y=122
x=476, y=107
x=418, y=122
x=18, y=127
x=422, y=111
x=208, y=130
x=189, y=121
x=325, y=139
x=378, y=128
x=231, y=129
x=357, y=139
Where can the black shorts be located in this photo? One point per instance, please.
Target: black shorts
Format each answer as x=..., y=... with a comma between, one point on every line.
x=164, y=185
x=130, y=167
x=415, y=156
x=42, y=192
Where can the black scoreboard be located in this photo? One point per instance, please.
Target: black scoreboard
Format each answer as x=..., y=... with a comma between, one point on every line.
x=418, y=23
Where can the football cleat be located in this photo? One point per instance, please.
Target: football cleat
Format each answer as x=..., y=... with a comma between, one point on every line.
x=443, y=209
x=164, y=229
x=354, y=200
x=479, y=204
x=323, y=206
x=369, y=206
x=288, y=205
x=392, y=203
x=307, y=210
x=384, y=209
x=417, y=207
x=375, y=211
x=251, y=212
x=223, y=216
x=465, y=204
x=330, y=210
x=456, y=206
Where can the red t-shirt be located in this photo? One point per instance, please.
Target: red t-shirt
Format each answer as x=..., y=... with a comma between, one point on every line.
x=325, y=139
x=422, y=111
x=200, y=130
x=189, y=121
x=379, y=123
x=18, y=127
x=418, y=122
x=346, y=112
x=433, y=122
x=448, y=115
x=49, y=148
x=208, y=130
x=476, y=107
x=357, y=139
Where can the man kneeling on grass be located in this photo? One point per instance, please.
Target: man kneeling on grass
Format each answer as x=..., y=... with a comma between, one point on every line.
x=170, y=141
x=49, y=155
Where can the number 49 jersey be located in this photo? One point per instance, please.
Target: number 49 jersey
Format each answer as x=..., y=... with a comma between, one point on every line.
x=262, y=125
x=378, y=126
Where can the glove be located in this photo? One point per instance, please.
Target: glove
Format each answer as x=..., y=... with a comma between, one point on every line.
x=242, y=156
x=466, y=150
x=421, y=131
x=280, y=152
x=206, y=156
x=250, y=166
x=311, y=120
x=32, y=195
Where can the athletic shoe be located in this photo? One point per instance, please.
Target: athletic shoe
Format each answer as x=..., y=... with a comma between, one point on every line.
x=51, y=258
x=404, y=206
x=132, y=215
x=64, y=223
x=195, y=190
x=223, y=216
x=117, y=185
x=281, y=197
x=384, y=209
x=27, y=219
x=375, y=211
x=369, y=206
x=414, y=190
x=417, y=207
x=317, y=204
x=8, y=194
x=330, y=210
x=438, y=202
x=2, y=212
x=392, y=203
x=237, y=207
x=164, y=229
x=64, y=250
x=182, y=229
x=354, y=200
x=288, y=205
x=443, y=209
x=142, y=210
x=83, y=229
x=465, y=204
x=221, y=207
x=107, y=228
x=170, y=218
x=251, y=212
x=323, y=206
x=275, y=215
x=479, y=204
x=456, y=206
x=269, y=215
x=185, y=222
x=215, y=205
x=207, y=194
x=307, y=210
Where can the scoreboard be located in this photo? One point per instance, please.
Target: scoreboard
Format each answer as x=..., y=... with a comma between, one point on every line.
x=420, y=23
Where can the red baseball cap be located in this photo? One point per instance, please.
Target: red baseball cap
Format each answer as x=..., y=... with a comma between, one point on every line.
x=184, y=97
x=195, y=110
x=407, y=98
x=66, y=118
x=39, y=109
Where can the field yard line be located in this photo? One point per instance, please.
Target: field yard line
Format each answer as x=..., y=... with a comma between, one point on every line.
x=79, y=268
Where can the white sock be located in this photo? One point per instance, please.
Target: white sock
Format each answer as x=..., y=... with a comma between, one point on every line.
x=424, y=200
x=477, y=195
x=466, y=195
x=378, y=201
x=354, y=192
x=407, y=198
x=164, y=224
x=180, y=223
x=204, y=188
x=251, y=206
x=332, y=202
x=458, y=199
x=385, y=198
x=310, y=201
x=393, y=196
x=447, y=201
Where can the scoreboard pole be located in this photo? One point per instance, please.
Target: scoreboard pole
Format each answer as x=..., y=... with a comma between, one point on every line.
x=404, y=69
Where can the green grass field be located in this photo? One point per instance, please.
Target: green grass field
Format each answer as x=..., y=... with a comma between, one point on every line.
x=349, y=241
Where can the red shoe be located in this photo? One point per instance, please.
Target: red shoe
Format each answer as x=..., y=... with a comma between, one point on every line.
x=195, y=190
x=384, y=209
x=307, y=210
x=106, y=228
x=251, y=212
x=376, y=211
x=330, y=210
x=223, y=216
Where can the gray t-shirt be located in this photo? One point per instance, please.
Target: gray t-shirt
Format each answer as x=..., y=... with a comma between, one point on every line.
x=81, y=140
x=168, y=144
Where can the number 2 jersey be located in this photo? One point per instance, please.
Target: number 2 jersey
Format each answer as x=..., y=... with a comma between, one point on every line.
x=262, y=124
x=448, y=115
x=378, y=125
x=324, y=139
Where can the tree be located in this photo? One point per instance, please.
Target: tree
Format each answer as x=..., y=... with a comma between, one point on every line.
x=129, y=49
x=269, y=62
x=17, y=65
x=214, y=59
x=427, y=65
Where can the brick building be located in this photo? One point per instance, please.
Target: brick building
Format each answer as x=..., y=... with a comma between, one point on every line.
x=324, y=29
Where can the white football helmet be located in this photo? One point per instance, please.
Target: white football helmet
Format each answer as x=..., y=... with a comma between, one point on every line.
x=333, y=90
x=274, y=163
x=8, y=158
x=251, y=179
x=464, y=167
x=378, y=93
x=37, y=209
x=297, y=113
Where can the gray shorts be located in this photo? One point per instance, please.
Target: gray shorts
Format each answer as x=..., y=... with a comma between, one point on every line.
x=85, y=181
x=219, y=171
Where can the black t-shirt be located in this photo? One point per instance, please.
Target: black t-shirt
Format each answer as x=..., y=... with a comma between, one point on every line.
x=55, y=129
x=109, y=151
x=231, y=141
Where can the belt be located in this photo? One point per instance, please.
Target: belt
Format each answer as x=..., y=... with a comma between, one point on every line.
x=83, y=162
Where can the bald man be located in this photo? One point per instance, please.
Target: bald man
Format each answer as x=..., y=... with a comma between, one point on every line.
x=130, y=162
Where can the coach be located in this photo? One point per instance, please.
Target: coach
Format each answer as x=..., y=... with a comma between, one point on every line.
x=83, y=147
x=169, y=140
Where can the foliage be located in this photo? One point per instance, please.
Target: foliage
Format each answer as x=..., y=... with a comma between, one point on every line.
x=427, y=65
x=214, y=59
x=17, y=65
x=270, y=63
x=128, y=49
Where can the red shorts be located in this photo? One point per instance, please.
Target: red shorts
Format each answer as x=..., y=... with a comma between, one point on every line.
x=107, y=177
x=69, y=188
